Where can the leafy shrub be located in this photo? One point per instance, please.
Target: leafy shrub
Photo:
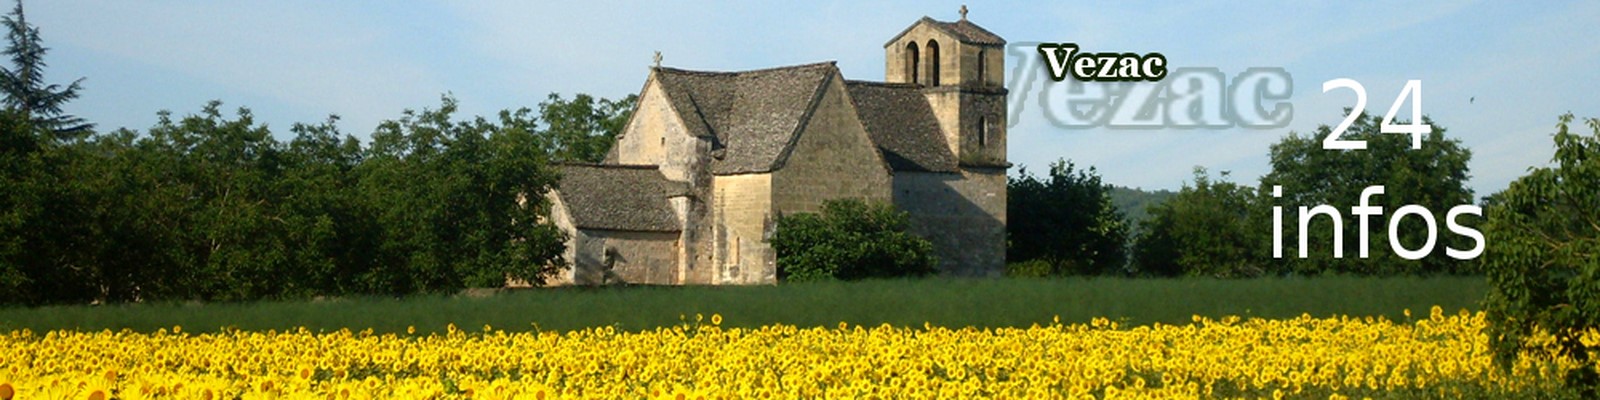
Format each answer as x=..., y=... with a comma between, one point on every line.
x=1543, y=256
x=1208, y=229
x=850, y=240
x=1433, y=176
x=1065, y=219
x=1029, y=269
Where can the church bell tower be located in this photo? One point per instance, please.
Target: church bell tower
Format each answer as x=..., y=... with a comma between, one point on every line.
x=960, y=67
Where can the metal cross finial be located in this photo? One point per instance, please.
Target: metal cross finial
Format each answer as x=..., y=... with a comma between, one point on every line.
x=963, y=12
x=658, y=59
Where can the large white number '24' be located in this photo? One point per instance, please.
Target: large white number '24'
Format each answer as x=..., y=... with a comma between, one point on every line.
x=1416, y=128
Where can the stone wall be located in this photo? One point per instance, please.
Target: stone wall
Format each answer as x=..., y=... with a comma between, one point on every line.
x=983, y=123
x=636, y=257
x=992, y=75
x=727, y=219
x=742, y=222
x=562, y=219
x=950, y=56
x=964, y=215
x=656, y=136
x=973, y=122
x=946, y=104
x=697, y=263
x=833, y=158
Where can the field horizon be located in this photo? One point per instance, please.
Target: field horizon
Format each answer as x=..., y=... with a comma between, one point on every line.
x=946, y=302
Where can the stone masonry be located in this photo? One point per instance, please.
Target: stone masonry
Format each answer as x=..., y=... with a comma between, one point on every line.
x=693, y=186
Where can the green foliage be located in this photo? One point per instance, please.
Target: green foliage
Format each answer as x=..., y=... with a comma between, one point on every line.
x=1433, y=176
x=583, y=129
x=1221, y=229
x=1135, y=203
x=449, y=198
x=1208, y=229
x=1067, y=220
x=24, y=85
x=1543, y=256
x=981, y=303
x=28, y=177
x=1029, y=269
x=214, y=207
x=850, y=240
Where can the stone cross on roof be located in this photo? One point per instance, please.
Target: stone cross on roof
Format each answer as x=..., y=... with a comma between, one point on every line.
x=658, y=59
x=963, y=12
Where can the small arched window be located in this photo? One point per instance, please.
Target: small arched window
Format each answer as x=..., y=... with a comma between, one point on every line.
x=983, y=65
x=913, y=61
x=983, y=131
x=933, y=62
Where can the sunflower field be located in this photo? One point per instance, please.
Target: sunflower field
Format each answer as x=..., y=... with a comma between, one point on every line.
x=1437, y=355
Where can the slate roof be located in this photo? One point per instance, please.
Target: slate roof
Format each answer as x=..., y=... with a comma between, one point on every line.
x=902, y=124
x=963, y=30
x=619, y=197
x=751, y=115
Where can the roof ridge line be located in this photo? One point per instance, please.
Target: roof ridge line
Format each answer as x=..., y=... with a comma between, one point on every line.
x=950, y=28
x=805, y=119
x=833, y=63
x=607, y=166
x=897, y=85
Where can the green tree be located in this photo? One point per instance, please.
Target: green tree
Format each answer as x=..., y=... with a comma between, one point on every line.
x=24, y=84
x=1135, y=203
x=30, y=180
x=583, y=129
x=17, y=148
x=219, y=177
x=211, y=206
x=1212, y=228
x=1433, y=176
x=332, y=231
x=41, y=212
x=457, y=201
x=139, y=208
x=849, y=240
x=1543, y=257
x=1066, y=220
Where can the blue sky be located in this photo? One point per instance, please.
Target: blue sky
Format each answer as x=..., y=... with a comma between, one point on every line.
x=298, y=61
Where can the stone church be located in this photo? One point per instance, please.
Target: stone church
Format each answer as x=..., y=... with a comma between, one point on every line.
x=692, y=189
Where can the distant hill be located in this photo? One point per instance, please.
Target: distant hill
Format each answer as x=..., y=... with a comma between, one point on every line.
x=1133, y=202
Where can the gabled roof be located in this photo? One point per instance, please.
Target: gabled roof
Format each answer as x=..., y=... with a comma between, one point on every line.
x=619, y=197
x=753, y=116
x=963, y=30
x=902, y=124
